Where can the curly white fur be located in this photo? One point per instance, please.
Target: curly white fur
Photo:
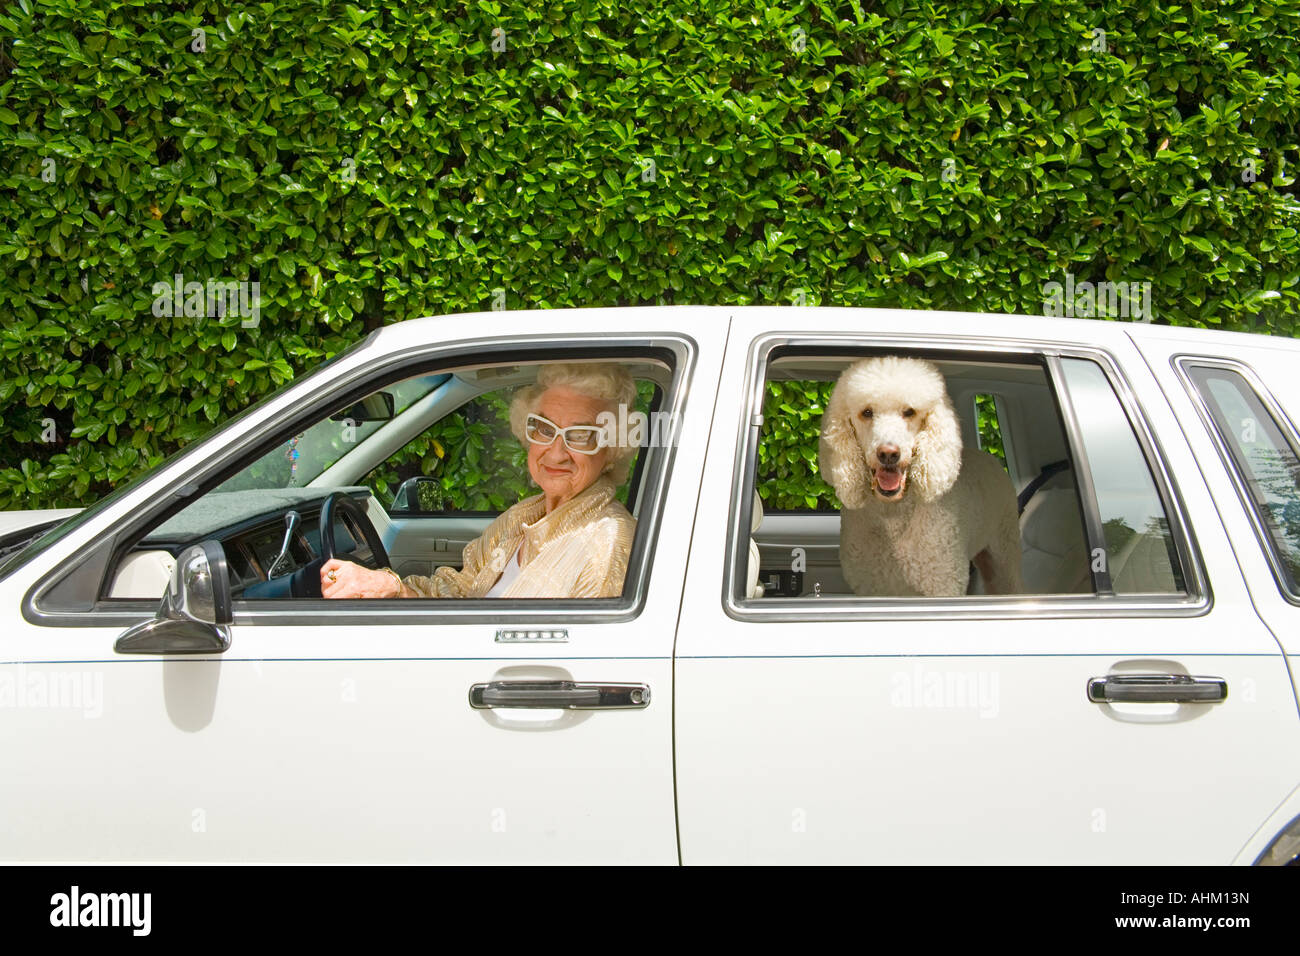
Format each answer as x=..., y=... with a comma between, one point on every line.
x=917, y=508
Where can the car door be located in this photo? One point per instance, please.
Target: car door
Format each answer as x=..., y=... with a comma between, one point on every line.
x=835, y=728
x=344, y=731
x=1238, y=404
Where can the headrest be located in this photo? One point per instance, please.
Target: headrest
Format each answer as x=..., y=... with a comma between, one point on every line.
x=756, y=518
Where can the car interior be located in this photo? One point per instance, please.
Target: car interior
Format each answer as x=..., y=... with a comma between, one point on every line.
x=272, y=536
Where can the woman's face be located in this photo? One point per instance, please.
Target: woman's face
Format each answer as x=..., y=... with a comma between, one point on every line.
x=561, y=473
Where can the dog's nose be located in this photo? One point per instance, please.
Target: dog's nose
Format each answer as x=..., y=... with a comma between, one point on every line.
x=887, y=454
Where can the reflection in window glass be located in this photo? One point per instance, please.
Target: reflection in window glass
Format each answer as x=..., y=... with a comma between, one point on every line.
x=306, y=455
x=1140, y=552
x=1267, y=463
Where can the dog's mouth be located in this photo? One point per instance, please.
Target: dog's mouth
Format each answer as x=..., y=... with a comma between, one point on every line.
x=888, y=481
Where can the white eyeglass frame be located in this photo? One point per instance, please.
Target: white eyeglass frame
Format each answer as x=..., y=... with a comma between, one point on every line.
x=602, y=438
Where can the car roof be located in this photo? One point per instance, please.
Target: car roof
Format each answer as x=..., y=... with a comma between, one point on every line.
x=801, y=320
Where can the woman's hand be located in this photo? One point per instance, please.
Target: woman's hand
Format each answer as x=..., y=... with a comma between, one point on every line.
x=353, y=581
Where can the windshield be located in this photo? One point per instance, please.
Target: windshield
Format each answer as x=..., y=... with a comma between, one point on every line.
x=13, y=561
x=306, y=455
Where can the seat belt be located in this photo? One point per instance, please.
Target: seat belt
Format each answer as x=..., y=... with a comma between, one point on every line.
x=1044, y=476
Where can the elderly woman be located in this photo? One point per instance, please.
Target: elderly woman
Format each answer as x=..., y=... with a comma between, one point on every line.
x=570, y=541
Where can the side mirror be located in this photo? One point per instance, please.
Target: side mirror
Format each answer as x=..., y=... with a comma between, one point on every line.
x=379, y=407
x=195, y=614
x=407, y=499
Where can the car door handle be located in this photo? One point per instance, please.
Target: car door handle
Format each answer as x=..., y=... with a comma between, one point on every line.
x=1157, y=689
x=565, y=694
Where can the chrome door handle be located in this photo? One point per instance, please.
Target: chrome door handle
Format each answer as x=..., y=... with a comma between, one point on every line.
x=565, y=694
x=1157, y=689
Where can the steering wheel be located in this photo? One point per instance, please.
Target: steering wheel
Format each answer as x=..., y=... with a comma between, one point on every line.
x=306, y=580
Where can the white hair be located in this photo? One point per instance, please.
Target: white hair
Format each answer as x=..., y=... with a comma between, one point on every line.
x=603, y=381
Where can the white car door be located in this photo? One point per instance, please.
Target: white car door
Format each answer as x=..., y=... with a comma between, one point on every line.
x=1238, y=404
x=835, y=728
x=343, y=730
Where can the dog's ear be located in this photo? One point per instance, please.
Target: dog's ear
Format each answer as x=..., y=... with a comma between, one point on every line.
x=938, y=452
x=839, y=456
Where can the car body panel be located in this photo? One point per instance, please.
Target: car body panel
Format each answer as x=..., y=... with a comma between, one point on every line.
x=18, y=520
x=782, y=737
x=1275, y=364
x=940, y=737
x=354, y=741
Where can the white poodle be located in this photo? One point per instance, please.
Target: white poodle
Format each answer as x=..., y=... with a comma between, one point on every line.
x=917, y=508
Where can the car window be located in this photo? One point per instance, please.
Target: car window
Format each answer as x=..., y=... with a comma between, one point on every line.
x=454, y=426
x=1140, y=556
x=310, y=452
x=1017, y=458
x=1266, y=463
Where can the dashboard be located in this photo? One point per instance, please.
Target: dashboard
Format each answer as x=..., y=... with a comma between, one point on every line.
x=251, y=554
x=252, y=542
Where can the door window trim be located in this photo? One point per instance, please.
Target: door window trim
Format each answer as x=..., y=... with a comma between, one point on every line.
x=1197, y=601
x=376, y=372
x=1281, y=421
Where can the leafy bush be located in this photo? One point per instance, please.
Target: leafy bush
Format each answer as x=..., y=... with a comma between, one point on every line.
x=367, y=165
x=477, y=462
x=788, y=478
x=986, y=420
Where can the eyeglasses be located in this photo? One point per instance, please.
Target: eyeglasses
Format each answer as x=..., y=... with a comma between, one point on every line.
x=583, y=439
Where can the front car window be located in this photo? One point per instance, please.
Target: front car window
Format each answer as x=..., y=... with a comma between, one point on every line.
x=449, y=428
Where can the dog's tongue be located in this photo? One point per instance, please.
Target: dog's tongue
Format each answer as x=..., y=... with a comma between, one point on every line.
x=887, y=479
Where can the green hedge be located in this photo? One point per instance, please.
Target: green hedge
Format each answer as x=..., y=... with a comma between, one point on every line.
x=367, y=163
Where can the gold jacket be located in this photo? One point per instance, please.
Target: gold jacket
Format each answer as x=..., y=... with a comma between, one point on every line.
x=579, y=550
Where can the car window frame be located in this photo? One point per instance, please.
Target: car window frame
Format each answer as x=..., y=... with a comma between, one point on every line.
x=679, y=350
x=1180, y=363
x=1196, y=601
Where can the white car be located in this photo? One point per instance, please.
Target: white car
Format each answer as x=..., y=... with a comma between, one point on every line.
x=172, y=688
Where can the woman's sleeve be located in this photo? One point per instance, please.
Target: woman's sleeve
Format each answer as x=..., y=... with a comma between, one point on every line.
x=450, y=583
x=611, y=544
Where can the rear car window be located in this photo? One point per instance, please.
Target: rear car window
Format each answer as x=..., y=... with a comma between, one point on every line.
x=1266, y=462
x=1140, y=556
x=1090, y=515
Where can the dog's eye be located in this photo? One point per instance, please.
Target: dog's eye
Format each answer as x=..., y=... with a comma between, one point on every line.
x=909, y=412
x=866, y=413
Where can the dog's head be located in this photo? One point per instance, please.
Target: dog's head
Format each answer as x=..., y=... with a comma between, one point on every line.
x=890, y=431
